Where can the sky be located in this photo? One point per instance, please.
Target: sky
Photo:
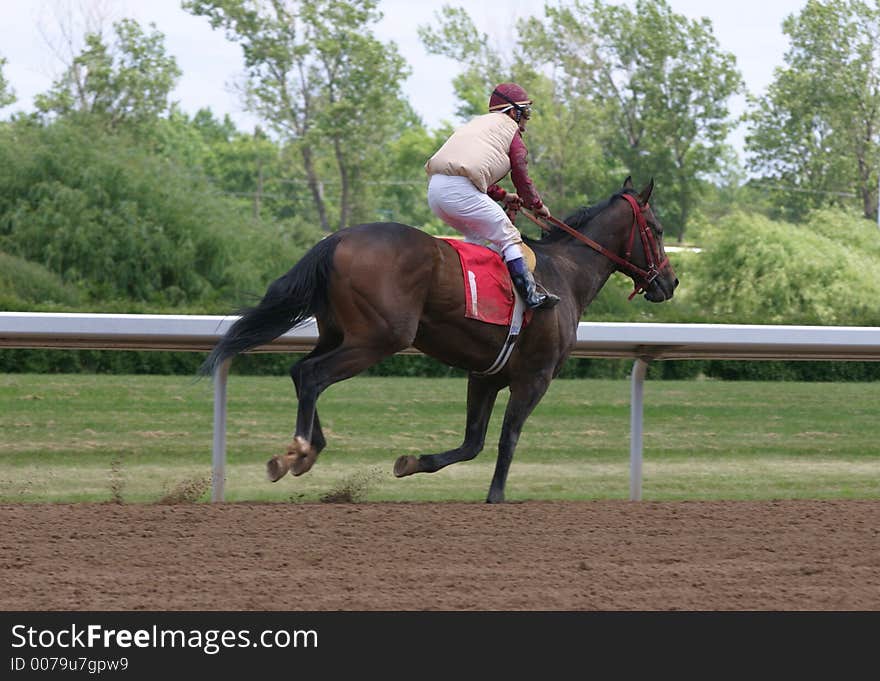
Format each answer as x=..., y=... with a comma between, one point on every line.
x=211, y=65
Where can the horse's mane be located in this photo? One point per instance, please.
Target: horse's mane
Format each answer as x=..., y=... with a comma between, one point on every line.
x=581, y=217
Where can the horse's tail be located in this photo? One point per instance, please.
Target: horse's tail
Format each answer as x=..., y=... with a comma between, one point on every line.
x=289, y=300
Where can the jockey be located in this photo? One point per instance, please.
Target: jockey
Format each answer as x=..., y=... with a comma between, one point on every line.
x=463, y=189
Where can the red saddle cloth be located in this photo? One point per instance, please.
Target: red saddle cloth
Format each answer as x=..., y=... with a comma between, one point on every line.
x=488, y=290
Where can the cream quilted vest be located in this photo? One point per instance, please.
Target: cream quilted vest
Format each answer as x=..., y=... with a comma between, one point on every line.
x=477, y=150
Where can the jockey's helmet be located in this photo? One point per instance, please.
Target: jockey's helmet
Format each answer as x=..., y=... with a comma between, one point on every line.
x=508, y=96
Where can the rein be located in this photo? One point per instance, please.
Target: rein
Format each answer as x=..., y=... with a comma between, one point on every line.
x=649, y=245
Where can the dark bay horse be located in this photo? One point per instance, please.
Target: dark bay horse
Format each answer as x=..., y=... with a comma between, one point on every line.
x=376, y=289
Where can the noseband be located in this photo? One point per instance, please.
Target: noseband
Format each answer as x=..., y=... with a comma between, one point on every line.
x=653, y=262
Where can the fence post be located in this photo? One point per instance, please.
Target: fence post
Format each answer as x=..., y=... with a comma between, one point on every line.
x=218, y=458
x=637, y=391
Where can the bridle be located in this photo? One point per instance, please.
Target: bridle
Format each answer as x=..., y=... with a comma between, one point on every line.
x=654, y=263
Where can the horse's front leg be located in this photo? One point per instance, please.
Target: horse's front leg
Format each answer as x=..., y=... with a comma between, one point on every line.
x=482, y=392
x=524, y=397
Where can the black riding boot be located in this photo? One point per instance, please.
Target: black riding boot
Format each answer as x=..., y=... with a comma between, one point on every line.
x=525, y=284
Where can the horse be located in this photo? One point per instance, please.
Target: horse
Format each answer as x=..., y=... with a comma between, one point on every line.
x=378, y=288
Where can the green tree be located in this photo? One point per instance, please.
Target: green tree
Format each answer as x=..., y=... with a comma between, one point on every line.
x=400, y=196
x=253, y=168
x=572, y=160
x=234, y=161
x=322, y=82
x=817, y=130
x=455, y=36
x=7, y=96
x=121, y=221
x=757, y=270
x=663, y=84
x=127, y=83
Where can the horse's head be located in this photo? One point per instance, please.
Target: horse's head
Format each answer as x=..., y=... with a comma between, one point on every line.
x=644, y=258
x=625, y=230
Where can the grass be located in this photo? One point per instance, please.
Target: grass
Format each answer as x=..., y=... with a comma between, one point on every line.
x=124, y=439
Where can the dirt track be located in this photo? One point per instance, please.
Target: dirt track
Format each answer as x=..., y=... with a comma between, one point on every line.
x=790, y=555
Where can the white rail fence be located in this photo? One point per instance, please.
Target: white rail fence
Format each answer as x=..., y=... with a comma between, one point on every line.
x=641, y=342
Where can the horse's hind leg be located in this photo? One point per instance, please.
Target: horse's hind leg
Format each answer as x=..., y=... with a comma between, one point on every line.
x=314, y=375
x=482, y=392
x=300, y=452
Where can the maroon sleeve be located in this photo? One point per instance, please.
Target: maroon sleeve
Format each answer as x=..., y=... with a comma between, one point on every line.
x=495, y=192
x=519, y=174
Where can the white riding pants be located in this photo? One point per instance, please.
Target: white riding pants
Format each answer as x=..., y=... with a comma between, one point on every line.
x=455, y=200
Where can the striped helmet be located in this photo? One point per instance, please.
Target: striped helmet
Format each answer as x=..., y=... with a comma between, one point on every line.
x=511, y=96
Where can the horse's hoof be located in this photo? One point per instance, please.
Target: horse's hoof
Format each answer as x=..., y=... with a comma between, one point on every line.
x=302, y=463
x=405, y=465
x=303, y=456
x=277, y=467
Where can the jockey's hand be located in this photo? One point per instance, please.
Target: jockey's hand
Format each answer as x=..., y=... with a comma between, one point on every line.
x=543, y=212
x=512, y=201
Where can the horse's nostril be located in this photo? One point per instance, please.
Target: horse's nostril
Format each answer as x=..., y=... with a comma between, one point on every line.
x=676, y=282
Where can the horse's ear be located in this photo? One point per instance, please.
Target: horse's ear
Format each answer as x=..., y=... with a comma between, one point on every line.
x=645, y=194
x=628, y=182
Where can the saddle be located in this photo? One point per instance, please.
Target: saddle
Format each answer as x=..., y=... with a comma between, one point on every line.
x=488, y=289
x=528, y=253
x=490, y=295
x=529, y=256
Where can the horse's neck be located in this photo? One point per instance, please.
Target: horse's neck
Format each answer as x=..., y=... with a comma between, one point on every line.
x=594, y=271
x=585, y=270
